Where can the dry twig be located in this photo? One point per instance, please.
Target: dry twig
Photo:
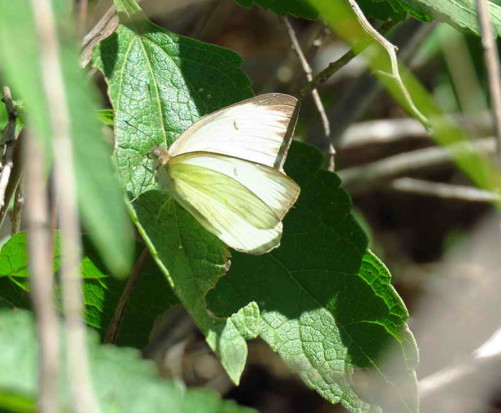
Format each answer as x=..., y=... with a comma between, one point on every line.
x=355, y=101
x=42, y=278
x=381, y=131
x=492, y=62
x=101, y=30
x=366, y=177
x=118, y=315
x=316, y=97
x=445, y=191
x=64, y=189
x=338, y=64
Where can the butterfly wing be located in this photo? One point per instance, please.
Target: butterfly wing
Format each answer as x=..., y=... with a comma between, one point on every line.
x=240, y=202
x=258, y=130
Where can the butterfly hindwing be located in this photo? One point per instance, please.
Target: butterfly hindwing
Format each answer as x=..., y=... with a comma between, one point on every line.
x=240, y=202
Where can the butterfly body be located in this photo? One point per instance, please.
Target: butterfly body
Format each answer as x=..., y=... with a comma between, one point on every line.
x=227, y=171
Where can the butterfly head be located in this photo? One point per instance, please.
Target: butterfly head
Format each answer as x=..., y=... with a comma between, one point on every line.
x=160, y=156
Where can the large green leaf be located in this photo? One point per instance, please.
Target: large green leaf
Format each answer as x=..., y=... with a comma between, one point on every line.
x=122, y=381
x=99, y=194
x=150, y=298
x=321, y=239
x=159, y=84
x=326, y=303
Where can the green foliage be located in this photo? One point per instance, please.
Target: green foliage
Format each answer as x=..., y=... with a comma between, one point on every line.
x=326, y=303
x=151, y=296
x=378, y=9
x=459, y=13
x=157, y=90
x=296, y=8
x=99, y=195
x=122, y=381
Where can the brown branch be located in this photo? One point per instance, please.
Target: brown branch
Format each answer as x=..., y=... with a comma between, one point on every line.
x=42, y=278
x=338, y=64
x=367, y=177
x=118, y=315
x=102, y=29
x=64, y=190
x=8, y=140
x=316, y=97
x=491, y=58
x=354, y=102
x=445, y=191
x=381, y=131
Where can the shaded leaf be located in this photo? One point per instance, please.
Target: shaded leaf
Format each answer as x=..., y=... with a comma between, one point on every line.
x=99, y=195
x=296, y=8
x=326, y=303
x=193, y=260
x=151, y=296
x=123, y=382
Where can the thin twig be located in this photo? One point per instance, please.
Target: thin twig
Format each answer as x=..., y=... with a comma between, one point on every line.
x=316, y=97
x=445, y=191
x=491, y=58
x=17, y=211
x=355, y=101
x=338, y=64
x=42, y=278
x=391, y=49
x=123, y=302
x=64, y=188
x=8, y=140
x=381, y=131
x=366, y=177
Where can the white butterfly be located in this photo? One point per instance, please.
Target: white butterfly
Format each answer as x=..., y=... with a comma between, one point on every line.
x=227, y=171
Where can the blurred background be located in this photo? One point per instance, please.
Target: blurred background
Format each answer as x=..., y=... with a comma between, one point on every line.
x=439, y=236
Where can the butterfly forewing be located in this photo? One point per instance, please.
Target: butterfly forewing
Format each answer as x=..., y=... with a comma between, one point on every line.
x=236, y=216
x=258, y=130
